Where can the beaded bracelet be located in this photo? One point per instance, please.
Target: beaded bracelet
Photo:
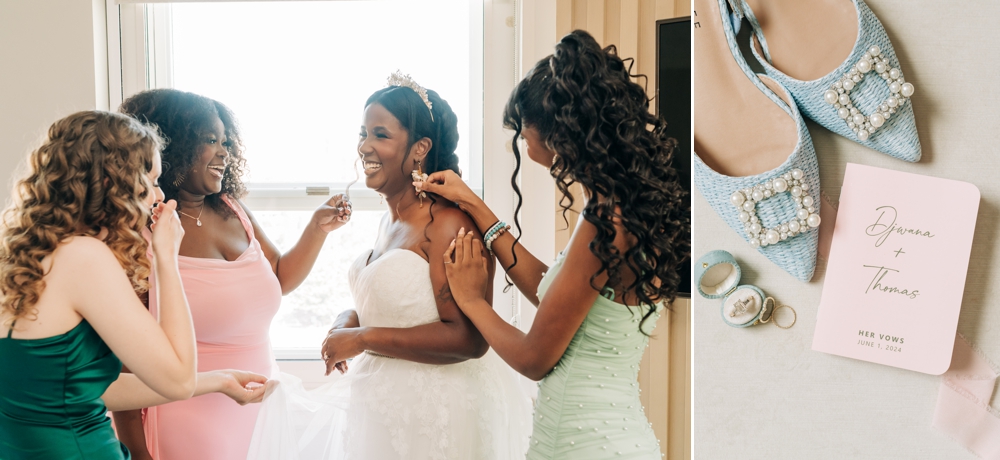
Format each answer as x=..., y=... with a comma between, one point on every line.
x=493, y=237
x=493, y=229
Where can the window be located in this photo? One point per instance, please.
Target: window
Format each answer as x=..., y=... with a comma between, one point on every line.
x=297, y=75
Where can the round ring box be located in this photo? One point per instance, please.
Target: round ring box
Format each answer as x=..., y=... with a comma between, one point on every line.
x=718, y=276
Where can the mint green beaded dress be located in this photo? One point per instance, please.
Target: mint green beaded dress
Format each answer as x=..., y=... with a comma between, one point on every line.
x=588, y=406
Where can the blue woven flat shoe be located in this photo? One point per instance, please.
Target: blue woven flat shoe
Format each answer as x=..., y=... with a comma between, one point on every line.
x=777, y=211
x=865, y=99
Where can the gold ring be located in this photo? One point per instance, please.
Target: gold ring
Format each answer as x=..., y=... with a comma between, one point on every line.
x=764, y=316
x=795, y=316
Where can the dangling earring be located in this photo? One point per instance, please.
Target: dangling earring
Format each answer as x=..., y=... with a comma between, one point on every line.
x=419, y=176
x=179, y=180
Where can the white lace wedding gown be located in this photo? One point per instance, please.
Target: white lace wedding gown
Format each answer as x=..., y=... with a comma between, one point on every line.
x=385, y=408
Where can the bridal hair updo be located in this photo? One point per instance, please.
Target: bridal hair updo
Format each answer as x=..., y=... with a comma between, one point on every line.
x=414, y=116
x=184, y=118
x=90, y=174
x=407, y=106
x=587, y=110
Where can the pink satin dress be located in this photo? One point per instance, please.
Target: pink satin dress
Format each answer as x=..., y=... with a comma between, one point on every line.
x=232, y=304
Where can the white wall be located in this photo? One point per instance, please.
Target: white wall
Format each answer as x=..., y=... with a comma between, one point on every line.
x=538, y=39
x=48, y=69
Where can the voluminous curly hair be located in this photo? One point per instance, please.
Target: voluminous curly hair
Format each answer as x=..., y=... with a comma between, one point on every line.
x=90, y=174
x=185, y=119
x=587, y=110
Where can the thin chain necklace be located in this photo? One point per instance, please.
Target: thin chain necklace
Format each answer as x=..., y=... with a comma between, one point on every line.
x=197, y=220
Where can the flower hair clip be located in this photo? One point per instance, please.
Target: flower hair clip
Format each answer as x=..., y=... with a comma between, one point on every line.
x=419, y=176
x=400, y=79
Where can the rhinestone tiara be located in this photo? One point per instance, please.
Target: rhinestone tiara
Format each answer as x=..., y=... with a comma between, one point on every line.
x=400, y=79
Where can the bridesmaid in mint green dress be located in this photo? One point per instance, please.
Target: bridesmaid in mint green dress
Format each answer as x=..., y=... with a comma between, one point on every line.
x=582, y=117
x=72, y=259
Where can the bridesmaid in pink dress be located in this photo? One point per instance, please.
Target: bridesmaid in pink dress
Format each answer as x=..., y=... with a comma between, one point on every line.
x=233, y=275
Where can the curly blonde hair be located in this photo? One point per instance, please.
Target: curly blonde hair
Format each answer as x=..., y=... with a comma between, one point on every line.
x=89, y=175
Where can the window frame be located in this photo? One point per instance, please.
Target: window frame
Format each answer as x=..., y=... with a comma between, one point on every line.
x=139, y=56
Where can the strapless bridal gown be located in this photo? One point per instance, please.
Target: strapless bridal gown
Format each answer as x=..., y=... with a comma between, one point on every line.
x=385, y=408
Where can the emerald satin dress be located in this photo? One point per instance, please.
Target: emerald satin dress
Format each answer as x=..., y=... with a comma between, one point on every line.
x=588, y=406
x=50, y=397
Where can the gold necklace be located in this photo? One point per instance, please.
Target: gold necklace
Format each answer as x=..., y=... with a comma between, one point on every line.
x=197, y=220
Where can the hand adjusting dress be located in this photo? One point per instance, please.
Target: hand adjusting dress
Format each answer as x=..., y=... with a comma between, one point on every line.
x=50, y=402
x=387, y=409
x=588, y=406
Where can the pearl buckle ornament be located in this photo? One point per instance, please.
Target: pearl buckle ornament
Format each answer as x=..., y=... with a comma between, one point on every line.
x=839, y=94
x=806, y=216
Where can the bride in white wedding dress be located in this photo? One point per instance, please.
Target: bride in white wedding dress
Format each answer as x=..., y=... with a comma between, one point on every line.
x=422, y=383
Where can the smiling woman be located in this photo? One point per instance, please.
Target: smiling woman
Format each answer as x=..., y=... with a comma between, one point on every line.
x=281, y=66
x=384, y=135
x=233, y=275
x=422, y=384
x=204, y=142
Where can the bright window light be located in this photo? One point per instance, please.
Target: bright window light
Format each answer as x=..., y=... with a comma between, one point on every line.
x=297, y=75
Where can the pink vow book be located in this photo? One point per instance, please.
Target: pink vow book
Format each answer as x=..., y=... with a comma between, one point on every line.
x=897, y=267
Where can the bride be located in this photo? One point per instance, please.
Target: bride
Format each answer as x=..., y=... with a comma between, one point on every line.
x=423, y=383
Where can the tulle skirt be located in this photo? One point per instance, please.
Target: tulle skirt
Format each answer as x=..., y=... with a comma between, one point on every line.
x=386, y=409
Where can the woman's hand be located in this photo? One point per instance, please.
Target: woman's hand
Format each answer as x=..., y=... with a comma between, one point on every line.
x=450, y=186
x=339, y=345
x=241, y=386
x=466, y=268
x=167, y=230
x=346, y=319
x=333, y=214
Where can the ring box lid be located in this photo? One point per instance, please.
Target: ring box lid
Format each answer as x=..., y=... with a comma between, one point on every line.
x=717, y=273
x=718, y=276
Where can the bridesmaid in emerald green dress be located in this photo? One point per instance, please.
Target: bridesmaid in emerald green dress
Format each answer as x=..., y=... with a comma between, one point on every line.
x=72, y=261
x=583, y=118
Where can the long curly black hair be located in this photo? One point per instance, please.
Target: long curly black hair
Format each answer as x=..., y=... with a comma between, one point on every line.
x=184, y=118
x=587, y=110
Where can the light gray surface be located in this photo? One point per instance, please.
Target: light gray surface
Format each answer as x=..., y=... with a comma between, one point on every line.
x=761, y=392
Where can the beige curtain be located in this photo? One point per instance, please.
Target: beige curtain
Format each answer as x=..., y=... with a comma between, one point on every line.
x=665, y=371
x=629, y=24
